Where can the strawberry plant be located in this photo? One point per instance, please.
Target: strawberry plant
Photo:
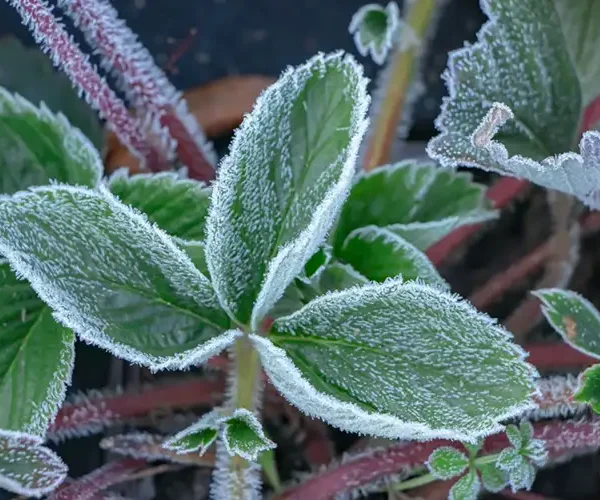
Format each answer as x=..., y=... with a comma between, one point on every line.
x=304, y=262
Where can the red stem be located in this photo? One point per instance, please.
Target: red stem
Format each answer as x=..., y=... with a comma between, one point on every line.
x=98, y=480
x=591, y=115
x=67, y=56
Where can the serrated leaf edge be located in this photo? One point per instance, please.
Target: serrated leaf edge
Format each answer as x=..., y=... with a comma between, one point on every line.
x=377, y=53
x=434, y=472
x=250, y=419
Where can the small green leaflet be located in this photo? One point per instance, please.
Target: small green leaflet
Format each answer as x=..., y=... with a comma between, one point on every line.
x=197, y=437
x=26, y=467
x=419, y=202
x=398, y=360
x=36, y=358
x=589, y=388
x=379, y=254
x=339, y=276
x=447, y=462
x=244, y=436
x=37, y=146
x=573, y=317
x=28, y=71
x=538, y=105
x=117, y=281
x=492, y=478
x=466, y=488
x=195, y=251
x=283, y=182
x=374, y=28
x=178, y=206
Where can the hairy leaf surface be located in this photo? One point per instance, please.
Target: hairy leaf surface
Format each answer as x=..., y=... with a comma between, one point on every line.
x=117, y=281
x=589, y=389
x=466, y=488
x=398, y=360
x=447, y=462
x=573, y=317
x=26, y=467
x=280, y=188
x=492, y=478
x=36, y=358
x=177, y=205
x=379, y=254
x=37, y=146
x=197, y=437
x=243, y=435
x=421, y=203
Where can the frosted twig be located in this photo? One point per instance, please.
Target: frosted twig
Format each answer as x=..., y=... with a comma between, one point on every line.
x=144, y=83
x=66, y=55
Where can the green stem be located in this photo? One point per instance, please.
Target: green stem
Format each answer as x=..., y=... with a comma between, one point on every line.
x=424, y=479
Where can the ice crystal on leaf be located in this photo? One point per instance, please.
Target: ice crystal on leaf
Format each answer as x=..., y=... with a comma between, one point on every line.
x=398, y=360
x=117, y=281
x=282, y=184
x=447, y=462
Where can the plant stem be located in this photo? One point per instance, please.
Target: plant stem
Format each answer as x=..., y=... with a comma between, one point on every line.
x=398, y=79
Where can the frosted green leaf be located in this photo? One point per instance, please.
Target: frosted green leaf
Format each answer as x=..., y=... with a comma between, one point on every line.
x=521, y=122
x=447, y=462
x=177, y=205
x=282, y=184
x=521, y=473
x=244, y=436
x=339, y=276
x=421, y=203
x=579, y=21
x=114, y=279
x=36, y=358
x=316, y=264
x=573, y=317
x=38, y=146
x=492, y=478
x=398, y=360
x=473, y=448
x=26, y=467
x=589, y=389
x=466, y=488
x=197, y=437
x=374, y=28
x=28, y=71
x=195, y=250
x=514, y=436
x=379, y=254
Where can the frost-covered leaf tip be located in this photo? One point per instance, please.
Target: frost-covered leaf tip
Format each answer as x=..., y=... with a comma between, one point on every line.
x=244, y=436
x=374, y=29
x=398, y=360
x=282, y=184
x=197, y=437
x=589, y=388
x=466, y=488
x=28, y=468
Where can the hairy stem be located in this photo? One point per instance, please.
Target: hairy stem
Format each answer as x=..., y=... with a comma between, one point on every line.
x=398, y=78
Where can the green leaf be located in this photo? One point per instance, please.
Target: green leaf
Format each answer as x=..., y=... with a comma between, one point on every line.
x=466, y=488
x=379, y=254
x=589, y=389
x=514, y=436
x=421, y=203
x=316, y=264
x=473, y=448
x=114, y=279
x=580, y=26
x=520, y=121
x=447, y=462
x=37, y=146
x=521, y=475
x=197, y=437
x=509, y=459
x=339, y=276
x=374, y=27
x=493, y=479
x=244, y=436
x=573, y=317
x=26, y=467
x=268, y=465
x=282, y=185
x=195, y=250
x=28, y=71
x=178, y=206
x=398, y=360
x=36, y=358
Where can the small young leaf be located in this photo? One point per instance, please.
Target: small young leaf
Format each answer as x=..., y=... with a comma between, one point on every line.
x=422, y=203
x=466, y=488
x=36, y=358
x=509, y=459
x=26, y=467
x=398, y=360
x=177, y=205
x=589, y=389
x=28, y=71
x=379, y=254
x=374, y=28
x=492, y=478
x=573, y=317
x=447, y=462
x=244, y=436
x=281, y=187
x=521, y=477
x=196, y=437
x=117, y=281
x=37, y=146
x=514, y=436
x=473, y=448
